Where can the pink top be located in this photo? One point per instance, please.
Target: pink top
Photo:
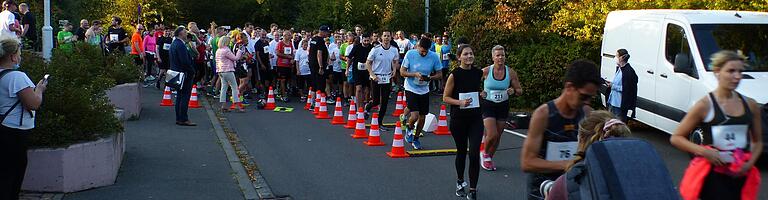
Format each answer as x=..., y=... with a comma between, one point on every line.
x=225, y=59
x=150, y=43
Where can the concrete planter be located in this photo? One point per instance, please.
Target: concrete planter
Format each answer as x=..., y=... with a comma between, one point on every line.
x=75, y=168
x=126, y=97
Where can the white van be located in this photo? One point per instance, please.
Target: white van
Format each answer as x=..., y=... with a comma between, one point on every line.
x=670, y=51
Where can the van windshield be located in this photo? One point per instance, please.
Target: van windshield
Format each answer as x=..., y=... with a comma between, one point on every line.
x=750, y=39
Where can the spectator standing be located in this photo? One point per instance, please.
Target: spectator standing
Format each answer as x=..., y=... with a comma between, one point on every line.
x=19, y=97
x=181, y=61
x=226, y=60
x=65, y=38
x=623, y=96
x=8, y=20
x=93, y=35
x=80, y=32
x=318, y=58
x=163, y=51
x=29, y=27
x=137, y=47
x=150, y=49
x=116, y=36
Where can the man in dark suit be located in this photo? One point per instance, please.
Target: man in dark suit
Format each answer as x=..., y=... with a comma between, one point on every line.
x=181, y=61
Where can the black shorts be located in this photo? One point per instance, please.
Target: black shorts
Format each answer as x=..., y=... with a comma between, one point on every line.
x=339, y=78
x=266, y=75
x=137, y=60
x=165, y=64
x=417, y=102
x=284, y=73
x=362, y=77
x=304, y=81
x=499, y=111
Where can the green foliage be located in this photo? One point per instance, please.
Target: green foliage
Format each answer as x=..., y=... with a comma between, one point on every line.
x=75, y=107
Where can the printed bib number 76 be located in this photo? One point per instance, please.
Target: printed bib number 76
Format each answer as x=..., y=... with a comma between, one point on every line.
x=729, y=137
x=559, y=151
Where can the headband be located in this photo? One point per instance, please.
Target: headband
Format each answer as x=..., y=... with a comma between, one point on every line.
x=611, y=123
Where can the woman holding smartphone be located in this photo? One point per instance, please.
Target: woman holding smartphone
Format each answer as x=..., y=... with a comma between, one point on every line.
x=731, y=138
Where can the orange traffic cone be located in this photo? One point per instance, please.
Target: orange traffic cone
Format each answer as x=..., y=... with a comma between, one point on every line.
x=398, y=147
x=374, y=137
x=338, y=113
x=323, y=112
x=308, y=106
x=442, y=123
x=270, y=100
x=352, y=116
x=398, y=105
x=317, y=103
x=360, y=125
x=193, y=103
x=166, y=97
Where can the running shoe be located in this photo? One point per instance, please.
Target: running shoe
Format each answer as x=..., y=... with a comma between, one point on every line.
x=472, y=195
x=487, y=163
x=409, y=136
x=303, y=99
x=416, y=144
x=331, y=101
x=460, y=188
x=383, y=129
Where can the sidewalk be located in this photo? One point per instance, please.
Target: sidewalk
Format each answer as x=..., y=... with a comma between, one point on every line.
x=166, y=161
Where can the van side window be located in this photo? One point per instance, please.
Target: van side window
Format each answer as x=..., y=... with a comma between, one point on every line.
x=676, y=43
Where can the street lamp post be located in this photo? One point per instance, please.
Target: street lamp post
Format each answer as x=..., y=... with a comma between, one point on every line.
x=426, y=16
x=47, y=31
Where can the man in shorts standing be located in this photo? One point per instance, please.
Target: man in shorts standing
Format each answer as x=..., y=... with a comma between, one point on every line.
x=419, y=67
x=358, y=56
x=262, y=59
x=318, y=58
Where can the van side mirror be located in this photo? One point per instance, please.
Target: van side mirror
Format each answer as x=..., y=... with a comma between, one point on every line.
x=683, y=64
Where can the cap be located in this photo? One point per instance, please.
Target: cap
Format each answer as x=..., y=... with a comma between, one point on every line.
x=325, y=28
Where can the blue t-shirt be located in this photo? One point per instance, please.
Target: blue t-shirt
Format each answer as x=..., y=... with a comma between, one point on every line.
x=425, y=65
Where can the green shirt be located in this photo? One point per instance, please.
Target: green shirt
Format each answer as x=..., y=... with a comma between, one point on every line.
x=214, y=44
x=64, y=37
x=342, y=51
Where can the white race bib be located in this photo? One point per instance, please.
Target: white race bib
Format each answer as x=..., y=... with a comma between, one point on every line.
x=166, y=47
x=361, y=66
x=266, y=49
x=446, y=57
x=559, y=151
x=497, y=96
x=67, y=38
x=113, y=37
x=474, y=99
x=402, y=50
x=287, y=51
x=729, y=137
x=384, y=78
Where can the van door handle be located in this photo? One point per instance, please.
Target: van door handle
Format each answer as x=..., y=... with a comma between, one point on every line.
x=663, y=75
x=650, y=71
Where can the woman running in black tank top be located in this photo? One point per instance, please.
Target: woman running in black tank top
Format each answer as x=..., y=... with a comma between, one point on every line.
x=732, y=139
x=462, y=93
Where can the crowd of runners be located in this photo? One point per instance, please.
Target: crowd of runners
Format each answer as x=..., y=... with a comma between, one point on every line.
x=241, y=64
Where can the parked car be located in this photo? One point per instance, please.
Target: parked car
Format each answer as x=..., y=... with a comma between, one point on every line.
x=670, y=51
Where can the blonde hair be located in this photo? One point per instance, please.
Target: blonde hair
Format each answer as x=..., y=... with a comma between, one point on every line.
x=9, y=46
x=592, y=129
x=223, y=41
x=724, y=56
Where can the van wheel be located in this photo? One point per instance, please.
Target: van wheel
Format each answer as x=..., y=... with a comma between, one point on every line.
x=696, y=137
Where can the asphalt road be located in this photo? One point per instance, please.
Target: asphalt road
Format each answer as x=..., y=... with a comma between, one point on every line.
x=307, y=158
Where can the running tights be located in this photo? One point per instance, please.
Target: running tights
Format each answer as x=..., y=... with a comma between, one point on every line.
x=467, y=130
x=380, y=97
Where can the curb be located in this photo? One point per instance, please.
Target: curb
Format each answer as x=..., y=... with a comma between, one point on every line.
x=244, y=182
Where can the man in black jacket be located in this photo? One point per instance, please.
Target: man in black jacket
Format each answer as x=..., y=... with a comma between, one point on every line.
x=181, y=61
x=623, y=89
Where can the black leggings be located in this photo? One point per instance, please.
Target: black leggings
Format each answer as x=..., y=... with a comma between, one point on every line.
x=380, y=96
x=464, y=129
x=13, y=153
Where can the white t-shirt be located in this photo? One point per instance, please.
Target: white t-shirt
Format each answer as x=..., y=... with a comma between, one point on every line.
x=382, y=59
x=347, y=52
x=10, y=86
x=404, y=45
x=7, y=19
x=333, y=50
x=302, y=59
x=272, y=49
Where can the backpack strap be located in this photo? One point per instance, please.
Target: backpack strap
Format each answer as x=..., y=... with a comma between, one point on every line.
x=2, y=117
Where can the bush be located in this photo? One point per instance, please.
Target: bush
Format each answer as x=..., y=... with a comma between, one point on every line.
x=75, y=107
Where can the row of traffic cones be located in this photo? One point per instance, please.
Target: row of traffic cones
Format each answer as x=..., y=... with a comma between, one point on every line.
x=193, y=101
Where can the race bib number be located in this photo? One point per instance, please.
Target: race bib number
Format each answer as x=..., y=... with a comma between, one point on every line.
x=113, y=37
x=361, y=66
x=473, y=98
x=402, y=50
x=446, y=57
x=266, y=49
x=287, y=51
x=497, y=96
x=166, y=47
x=384, y=78
x=67, y=38
x=559, y=151
x=729, y=137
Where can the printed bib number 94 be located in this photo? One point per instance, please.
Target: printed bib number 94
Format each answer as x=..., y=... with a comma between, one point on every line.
x=383, y=79
x=559, y=151
x=361, y=66
x=729, y=137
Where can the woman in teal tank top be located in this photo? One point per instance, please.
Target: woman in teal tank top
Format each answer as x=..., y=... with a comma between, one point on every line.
x=499, y=82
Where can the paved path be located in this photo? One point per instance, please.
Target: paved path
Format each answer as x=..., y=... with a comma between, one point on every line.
x=165, y=161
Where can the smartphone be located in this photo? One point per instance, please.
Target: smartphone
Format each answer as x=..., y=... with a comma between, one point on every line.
x=424, y=77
